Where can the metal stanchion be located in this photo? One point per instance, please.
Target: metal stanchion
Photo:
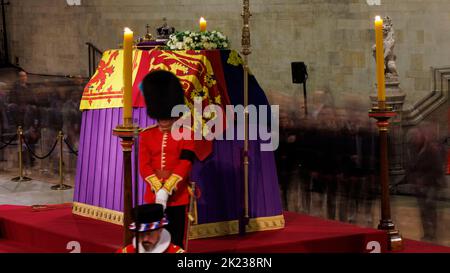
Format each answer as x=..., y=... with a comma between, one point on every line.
x=61, y=186
x=20, y=178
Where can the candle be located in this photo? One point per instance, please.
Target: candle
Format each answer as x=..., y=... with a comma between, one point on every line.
x=127, y=76
x=202, y=24
x=380, y=59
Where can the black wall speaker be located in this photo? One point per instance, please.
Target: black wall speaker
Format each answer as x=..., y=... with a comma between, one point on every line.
x=299, y=72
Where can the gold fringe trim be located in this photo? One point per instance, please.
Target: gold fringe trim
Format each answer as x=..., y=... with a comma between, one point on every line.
x=232, y=227
x=196, y=231
x=102, y=214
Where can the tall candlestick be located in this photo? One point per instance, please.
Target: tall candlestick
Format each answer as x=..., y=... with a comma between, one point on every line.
x=380, y=59
x=202, y=24
x=127, y=77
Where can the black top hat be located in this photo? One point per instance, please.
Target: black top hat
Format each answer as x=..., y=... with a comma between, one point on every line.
x=162, y=91
x=149, y=217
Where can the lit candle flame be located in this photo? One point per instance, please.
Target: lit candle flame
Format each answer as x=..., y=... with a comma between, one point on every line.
x=127, y=30
x=202, y=24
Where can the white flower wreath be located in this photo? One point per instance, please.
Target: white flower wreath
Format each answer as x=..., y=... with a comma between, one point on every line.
x=188, y=40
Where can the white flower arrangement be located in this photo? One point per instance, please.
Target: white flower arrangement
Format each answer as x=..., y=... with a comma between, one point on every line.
x=188, y=40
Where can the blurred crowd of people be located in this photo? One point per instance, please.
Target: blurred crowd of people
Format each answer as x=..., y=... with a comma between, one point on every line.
x=42, y=109
x=333, y=152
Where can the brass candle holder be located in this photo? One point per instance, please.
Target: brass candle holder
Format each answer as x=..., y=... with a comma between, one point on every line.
x=382, y=114
x=126, y=133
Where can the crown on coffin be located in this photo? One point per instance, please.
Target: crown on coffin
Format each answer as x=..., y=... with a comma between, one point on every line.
x=149, y=42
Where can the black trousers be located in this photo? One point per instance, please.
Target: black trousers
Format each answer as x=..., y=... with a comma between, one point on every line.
x=177, y=217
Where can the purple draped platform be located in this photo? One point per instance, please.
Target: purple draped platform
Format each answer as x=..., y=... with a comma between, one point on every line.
x=99, y=178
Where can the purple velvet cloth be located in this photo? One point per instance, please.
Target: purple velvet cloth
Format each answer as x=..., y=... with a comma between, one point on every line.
x=99, y=177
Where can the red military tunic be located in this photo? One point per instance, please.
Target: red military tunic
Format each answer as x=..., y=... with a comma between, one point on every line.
x=159, y=162
x=170, y=249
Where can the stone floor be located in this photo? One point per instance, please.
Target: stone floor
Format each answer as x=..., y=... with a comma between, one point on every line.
x=34, y=192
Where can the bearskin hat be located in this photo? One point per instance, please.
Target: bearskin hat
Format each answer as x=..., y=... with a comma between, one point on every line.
x=162, y=91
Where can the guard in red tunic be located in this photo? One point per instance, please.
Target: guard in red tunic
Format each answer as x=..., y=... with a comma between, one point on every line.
x=153, y=237
x=165, y=162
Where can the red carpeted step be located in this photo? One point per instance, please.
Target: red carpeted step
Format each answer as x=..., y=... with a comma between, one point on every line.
x=411, y=246
x=57, y=230
x=302, y=234
x=8, y=246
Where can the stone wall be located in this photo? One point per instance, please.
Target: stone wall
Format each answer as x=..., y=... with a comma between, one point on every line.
x=333, y=37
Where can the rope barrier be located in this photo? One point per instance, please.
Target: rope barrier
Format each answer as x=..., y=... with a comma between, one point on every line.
x=35, y=155
x=10, y=142
x=6, y=144
x=59, y=139
x=71, y=149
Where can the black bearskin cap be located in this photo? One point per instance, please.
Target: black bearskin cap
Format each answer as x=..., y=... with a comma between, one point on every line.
x=162, y=91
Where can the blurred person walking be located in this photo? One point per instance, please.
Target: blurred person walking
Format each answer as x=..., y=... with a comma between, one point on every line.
x=426, y=170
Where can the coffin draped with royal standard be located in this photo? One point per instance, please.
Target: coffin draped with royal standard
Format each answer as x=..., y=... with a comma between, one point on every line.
x=217, y=77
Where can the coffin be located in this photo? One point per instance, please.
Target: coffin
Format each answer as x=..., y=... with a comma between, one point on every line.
x=99, y=177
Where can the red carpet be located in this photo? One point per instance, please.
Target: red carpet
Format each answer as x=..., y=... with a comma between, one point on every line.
x=302, y=234
x=412, y=246
x=23, y=229
x=52, y=229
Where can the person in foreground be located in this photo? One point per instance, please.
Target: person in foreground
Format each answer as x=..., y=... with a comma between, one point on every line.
x=152, y=237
